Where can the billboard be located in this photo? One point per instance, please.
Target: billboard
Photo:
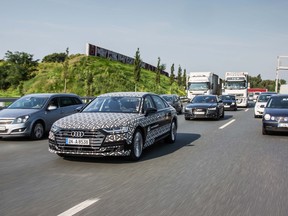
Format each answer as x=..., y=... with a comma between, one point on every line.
x=92, y=50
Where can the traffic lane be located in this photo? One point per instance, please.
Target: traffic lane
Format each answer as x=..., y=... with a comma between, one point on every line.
x=62, y=184
x=224, y=175
x=42, y=173
x=214, y=180
x=22, y=185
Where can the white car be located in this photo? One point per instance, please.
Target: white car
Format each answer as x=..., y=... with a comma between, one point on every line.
x=261, y=103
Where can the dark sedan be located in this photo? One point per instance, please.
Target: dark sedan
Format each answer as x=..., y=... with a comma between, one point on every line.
x=229, y=102
x=204, y=106
x=275, y=116
x=115, y=124
x=175, y=101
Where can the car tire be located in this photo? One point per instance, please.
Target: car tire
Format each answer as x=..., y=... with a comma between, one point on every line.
x=264, y=131
x=172, y=133
x=137, y=145
x=37, y=132
x=222, y=116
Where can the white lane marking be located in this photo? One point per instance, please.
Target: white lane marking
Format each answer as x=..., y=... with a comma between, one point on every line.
x=228, y=123
x=79, y=207
x=246, y=110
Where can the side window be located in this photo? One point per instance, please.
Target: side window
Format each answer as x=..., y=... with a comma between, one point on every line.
x=67, y=101
x=54, y=102
x=148, y=103
x=159, y=102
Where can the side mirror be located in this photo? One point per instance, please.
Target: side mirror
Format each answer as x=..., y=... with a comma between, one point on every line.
x=51, y=107
x=150, y=110
x=78, y=109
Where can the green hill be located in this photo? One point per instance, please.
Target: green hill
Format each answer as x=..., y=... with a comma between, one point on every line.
x=91, y=76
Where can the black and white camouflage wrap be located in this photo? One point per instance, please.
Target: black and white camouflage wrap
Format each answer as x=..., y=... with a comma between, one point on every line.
x=99, y=121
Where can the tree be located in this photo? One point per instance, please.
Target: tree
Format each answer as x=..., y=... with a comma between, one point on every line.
x=65, y=69
x=20, y=67
x=158, y=72
x=184, y=78
x=55, y=57
x=172, y=76
x=137, y=68
x=179, y=77
x=4, y=84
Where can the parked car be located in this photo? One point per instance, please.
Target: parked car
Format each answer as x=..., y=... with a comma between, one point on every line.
x=204, y=106
x=261, y=103
x=33, y=115
x=175, y=101
x=229, y=102
x=275, y=116
x=115, y=124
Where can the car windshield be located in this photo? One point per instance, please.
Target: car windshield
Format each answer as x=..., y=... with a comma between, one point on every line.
x=29, y=103
x=168, y=98
x=119, y=104
x=227, y=97
x=204, y=99
x=263, y=98
x=278, y=102
x=198, y=86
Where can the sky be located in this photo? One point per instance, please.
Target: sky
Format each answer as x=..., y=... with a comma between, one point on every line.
x=198, y=35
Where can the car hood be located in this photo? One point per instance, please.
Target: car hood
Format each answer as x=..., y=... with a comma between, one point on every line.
x=96, y=120
x=201, y=105
x=276, y=112
x=229, y=101
x=14, y=113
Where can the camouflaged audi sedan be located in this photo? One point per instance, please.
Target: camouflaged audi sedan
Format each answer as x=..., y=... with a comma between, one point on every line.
x=115, y=124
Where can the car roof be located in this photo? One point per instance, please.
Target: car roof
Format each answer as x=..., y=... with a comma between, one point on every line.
x=49, y=94
x=263, y=93
x=129, y=94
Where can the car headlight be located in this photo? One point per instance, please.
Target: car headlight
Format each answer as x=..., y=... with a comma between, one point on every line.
x=232, y=103
x=212, y=108
x=54, y=128
x=116, y=130
x=21, y=119
x=267, y=117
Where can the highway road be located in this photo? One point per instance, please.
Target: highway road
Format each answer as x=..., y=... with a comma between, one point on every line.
x=215, y=168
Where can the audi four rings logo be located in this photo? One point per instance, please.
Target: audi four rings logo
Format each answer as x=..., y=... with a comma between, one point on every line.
x=77, y=133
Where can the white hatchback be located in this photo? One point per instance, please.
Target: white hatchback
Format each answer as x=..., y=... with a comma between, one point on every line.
x=261, y=103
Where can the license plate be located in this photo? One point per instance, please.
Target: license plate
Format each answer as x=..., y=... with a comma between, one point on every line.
x=70, y=141
x=2, y=128
x=226, y=106
x=199, y=113
x=283, y=125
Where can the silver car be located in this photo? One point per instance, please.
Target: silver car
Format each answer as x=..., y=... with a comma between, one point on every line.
x=115, y=124
x=33, y=115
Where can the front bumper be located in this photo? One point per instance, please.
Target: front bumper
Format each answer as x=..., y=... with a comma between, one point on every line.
x=203, y=113
x=15, y=130
x=275, y=126
x=100, y=144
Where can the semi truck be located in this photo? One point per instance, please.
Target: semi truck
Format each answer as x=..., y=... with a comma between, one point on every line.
x=203, y=83
x=236, y=83
x=284, y=89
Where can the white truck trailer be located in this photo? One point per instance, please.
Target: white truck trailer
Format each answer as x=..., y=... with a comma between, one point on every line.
x=202, y=83
x=283, y=89
x=236, y=83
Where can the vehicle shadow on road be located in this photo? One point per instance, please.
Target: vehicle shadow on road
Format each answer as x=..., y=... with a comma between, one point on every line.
x=163, y=148
x=156, y=150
